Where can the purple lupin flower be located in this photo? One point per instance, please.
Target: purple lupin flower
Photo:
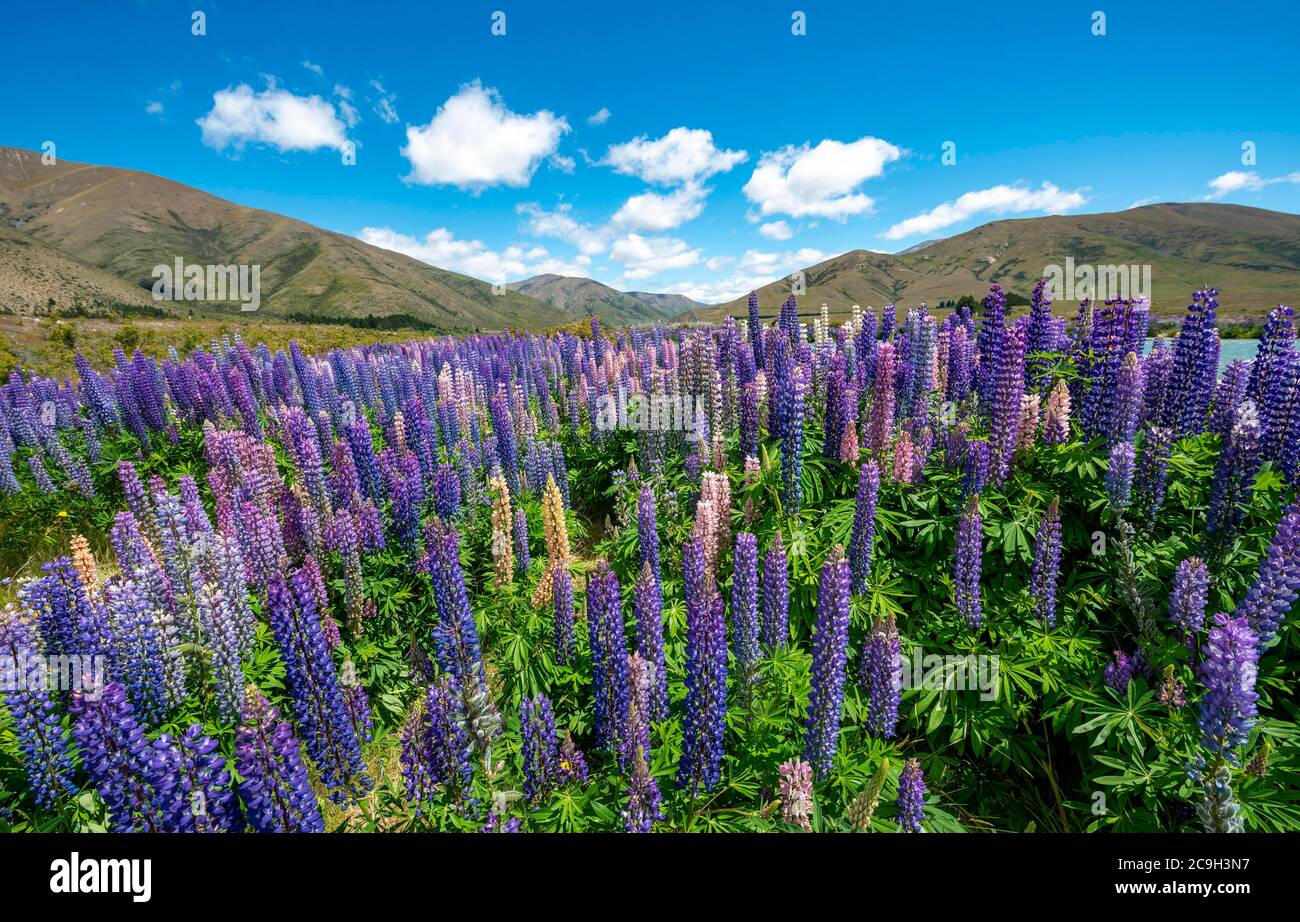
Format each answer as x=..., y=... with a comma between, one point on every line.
x=537, y=745
x=446, y=491
x=975, y=467
x=705, y=717
x=988, y=343
x=192, y=782
x=608, y=645
x=837, y=413
x=507, y=447
x=1234, y=477
x=436, y=746
x=455, y=637
x=1276, y=345
x=881, y=420
x=830, y=653
x=139, y=653
x=755, y=330
x=520, y=531
x=864, y=524
x=314, y=686
x=1151, y=478
x=1047, y=564
x=882, y=672
x=967, y=564
x=562, y=601
x=1189, y=596
x=1128, y=400
x=1170, y=692
x=115, y=754
x=1008, y=389
x=274, y=786
x=401, y=476
x=775, y=595
x=643, y=796
x=1277, y=586
x=744, y=606
x=137, y=500
x=573, y=764
x=911, y=797
x=68, y=621
x=748, y=420
x=357, y=704
x=1119, y=476
x=1280, y=417
x=792, y=397
x=1228, y=707
x=1228, y=395
x=24, y=689
x=1119, y=671
x=647, y=530
x=1040, y=337
x=649, y=604
x=1195, y=366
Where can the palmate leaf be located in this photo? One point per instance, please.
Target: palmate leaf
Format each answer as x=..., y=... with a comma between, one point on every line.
x=1130, y=718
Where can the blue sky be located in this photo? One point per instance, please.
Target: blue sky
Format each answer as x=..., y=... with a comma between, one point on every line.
x=667, y=146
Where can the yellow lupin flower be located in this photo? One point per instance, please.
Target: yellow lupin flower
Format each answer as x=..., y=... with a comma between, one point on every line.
x=503, y=553
x=83, y=561
x=554, y=526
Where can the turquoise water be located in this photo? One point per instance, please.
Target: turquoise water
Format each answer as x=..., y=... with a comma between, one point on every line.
x=1232, y=349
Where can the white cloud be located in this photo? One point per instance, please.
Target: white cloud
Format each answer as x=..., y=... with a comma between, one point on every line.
x=599, y=117
x=998, y=200
x=314, y=68
x=767, y=263
x=274, y=117
x=1150, y=199
x=776, y=230
x=643, y=257
x=684, y=155
x=652, y=211
x=819, y=181
x=154, y=108
x=562, y=163
x=754, y=270
x=474, y=142
x=472, y=257
x=561, y=225
x=1242, y=181
x=1234, y=181
x=383, y=104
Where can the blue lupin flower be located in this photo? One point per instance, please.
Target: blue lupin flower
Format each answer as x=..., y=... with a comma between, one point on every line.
x=705, y=716
x=911, y=797
x=42, y=741
x=274, y=786
x=830, y=653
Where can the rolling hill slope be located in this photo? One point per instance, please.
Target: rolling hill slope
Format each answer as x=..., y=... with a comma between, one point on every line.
x=126, y=222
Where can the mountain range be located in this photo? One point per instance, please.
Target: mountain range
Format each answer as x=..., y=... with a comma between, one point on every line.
x=79, y=238
x=584, y=297
x=1250, y=254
